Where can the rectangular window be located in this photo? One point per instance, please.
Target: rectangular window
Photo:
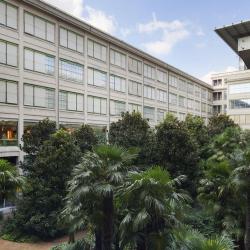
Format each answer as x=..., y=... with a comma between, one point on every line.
x=160, y=114
x=240, y=104
x=118, y=83
x=8, y=53
x=135, y=65
x=71, y=71
x=190, y=88
x=203, y=107
x=217, y=82
x=173, y=81
x=117, y=107
x=182, y=85
x=182, y=101
x=97, y=50
x=197, y=91
x=162, y=95
x=39, y=96
x=149, y=71
x=203, y=94
x=39, y=62
x=197, y=106
x=71, y=40
x=172, y=99
x=162, y=76
x=134, y=88
x=8, y=15
x=134, y=107
x=97, y=105
x=97, y=78
x=239, y=88
x=8, y=92
x=149, y=113
x=71, y=101
x=190, y=104
x=8, y=135
x=117, y=58
x=149, y=92
x=39, y=27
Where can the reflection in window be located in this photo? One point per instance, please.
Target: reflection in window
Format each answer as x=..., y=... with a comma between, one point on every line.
x=8, y=133
x=240, y=104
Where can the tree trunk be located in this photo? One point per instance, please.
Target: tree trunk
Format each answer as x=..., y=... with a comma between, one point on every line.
x=247, y=233
x=98, y=239
x=71, y=238
x=108, y=225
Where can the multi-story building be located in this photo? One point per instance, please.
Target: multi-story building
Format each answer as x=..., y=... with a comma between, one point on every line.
x=55, y=66
x=232, y=89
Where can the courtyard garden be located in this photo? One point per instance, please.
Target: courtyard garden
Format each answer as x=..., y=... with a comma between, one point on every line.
x=182, y=185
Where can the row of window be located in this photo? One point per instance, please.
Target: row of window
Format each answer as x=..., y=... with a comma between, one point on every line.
x=45, y=97
x=44, y=63
x=39, y=27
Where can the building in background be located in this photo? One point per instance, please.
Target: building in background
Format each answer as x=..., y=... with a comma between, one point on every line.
x=232, y=89
x=55, y=66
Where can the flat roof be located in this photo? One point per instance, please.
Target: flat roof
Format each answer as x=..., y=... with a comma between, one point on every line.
x=54, y=11
x=231, y=33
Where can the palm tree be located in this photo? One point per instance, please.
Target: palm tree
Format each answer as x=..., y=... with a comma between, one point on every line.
x=241, y=182
x=92, y=188
x=186, y=238
x=152, y=205
x=9, y=180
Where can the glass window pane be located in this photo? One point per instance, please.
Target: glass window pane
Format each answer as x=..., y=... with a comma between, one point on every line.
x=97, y=108
x=79, y=102
x=40, y=62
x=103, y=106
x=11, y=92
x=71, y=40
x=90, y=104
x=29, y=23
x=28, y=95
x=2, y=90
x=90, y=76
x=11, y=16
x=40, y=28
x=90, y=48
x=71, y=101
x=3, y=52
x=40, y=97
x=62, y=100
x=63, y=37
x=2, y=13
x=28, y=59
x=80, y=46
x=50, y=98
x=50, y=32
x=12, y=54
x=104, y=52
x=97, y=51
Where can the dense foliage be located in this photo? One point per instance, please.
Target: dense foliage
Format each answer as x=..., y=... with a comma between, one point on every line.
x=134, y=131
x=188, y=187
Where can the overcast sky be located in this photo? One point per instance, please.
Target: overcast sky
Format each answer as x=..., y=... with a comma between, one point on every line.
x=180, y=32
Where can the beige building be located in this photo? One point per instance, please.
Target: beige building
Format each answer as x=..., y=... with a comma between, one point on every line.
x=54, y=65
x=232, y=89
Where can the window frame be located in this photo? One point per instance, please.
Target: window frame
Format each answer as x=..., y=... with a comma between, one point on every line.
x=46, y=27
x=33, y=96
x=6, y=16
x=6, y=92
x=6, y=53
x=77, y=35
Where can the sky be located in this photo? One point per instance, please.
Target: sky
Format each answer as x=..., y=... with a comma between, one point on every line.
x=179, y=32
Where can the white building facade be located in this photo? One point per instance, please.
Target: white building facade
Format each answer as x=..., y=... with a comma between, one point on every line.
x=55, y=66
x=232, y=89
